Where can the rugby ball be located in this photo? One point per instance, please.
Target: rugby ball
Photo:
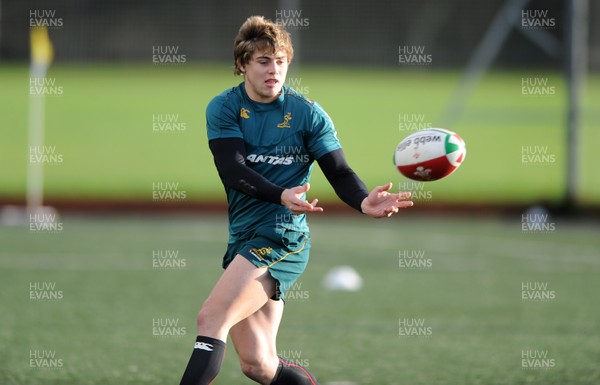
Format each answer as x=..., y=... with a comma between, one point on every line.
x=429, y=154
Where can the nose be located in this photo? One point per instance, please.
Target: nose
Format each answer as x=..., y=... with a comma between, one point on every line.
x=273, y=68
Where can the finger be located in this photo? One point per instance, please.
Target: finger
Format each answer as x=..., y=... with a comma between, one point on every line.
x=302, y=205
x=388, y=212
x=380, y=189
x=404, y=204
x=303, y=209
x=305, y=206
x=300, y=189
x=399, y=196
x=404, y=195
x=385, y=187
x=314, y=205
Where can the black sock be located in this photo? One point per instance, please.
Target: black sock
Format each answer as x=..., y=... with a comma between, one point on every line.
x=289, y=373
x=205, y=362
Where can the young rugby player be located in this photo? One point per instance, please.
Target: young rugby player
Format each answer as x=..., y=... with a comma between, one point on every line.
x=264, y=138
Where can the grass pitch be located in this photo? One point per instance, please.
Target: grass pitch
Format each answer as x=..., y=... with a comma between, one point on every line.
x=103, y=126
x=96, y=303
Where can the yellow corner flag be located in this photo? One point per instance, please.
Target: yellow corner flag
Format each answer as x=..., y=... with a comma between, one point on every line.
x=41, y=56
x=42, y=51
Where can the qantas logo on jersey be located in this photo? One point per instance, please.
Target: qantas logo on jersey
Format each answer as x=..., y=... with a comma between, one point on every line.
x=277, y=159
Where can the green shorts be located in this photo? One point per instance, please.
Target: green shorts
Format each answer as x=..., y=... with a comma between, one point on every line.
x=283, y=252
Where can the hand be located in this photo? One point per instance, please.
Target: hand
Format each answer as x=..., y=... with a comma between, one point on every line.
x=380, y=203
x=291, y=198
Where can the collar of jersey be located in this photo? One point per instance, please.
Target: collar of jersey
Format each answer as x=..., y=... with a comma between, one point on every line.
x=274, y=105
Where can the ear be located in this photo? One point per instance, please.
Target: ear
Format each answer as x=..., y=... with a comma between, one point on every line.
x=241, y=67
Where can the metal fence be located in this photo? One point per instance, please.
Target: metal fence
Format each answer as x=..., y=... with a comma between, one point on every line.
x=327, y=32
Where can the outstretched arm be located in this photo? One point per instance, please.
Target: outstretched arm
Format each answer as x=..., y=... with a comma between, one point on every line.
x=343, y=179
x=377, y=204
x=230, y=159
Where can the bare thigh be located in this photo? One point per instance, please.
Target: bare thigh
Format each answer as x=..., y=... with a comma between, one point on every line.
x=242, y=290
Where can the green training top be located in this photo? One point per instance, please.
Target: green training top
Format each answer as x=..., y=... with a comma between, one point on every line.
x=283, y=138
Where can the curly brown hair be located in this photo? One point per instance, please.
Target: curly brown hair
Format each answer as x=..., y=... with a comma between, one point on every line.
x=258, y=33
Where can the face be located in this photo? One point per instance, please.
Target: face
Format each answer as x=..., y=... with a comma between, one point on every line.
x=264, y=75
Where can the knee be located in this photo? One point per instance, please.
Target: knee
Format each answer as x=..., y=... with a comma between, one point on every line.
x=259, y=371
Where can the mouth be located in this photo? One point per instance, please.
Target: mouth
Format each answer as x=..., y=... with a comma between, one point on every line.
x=271, y=82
